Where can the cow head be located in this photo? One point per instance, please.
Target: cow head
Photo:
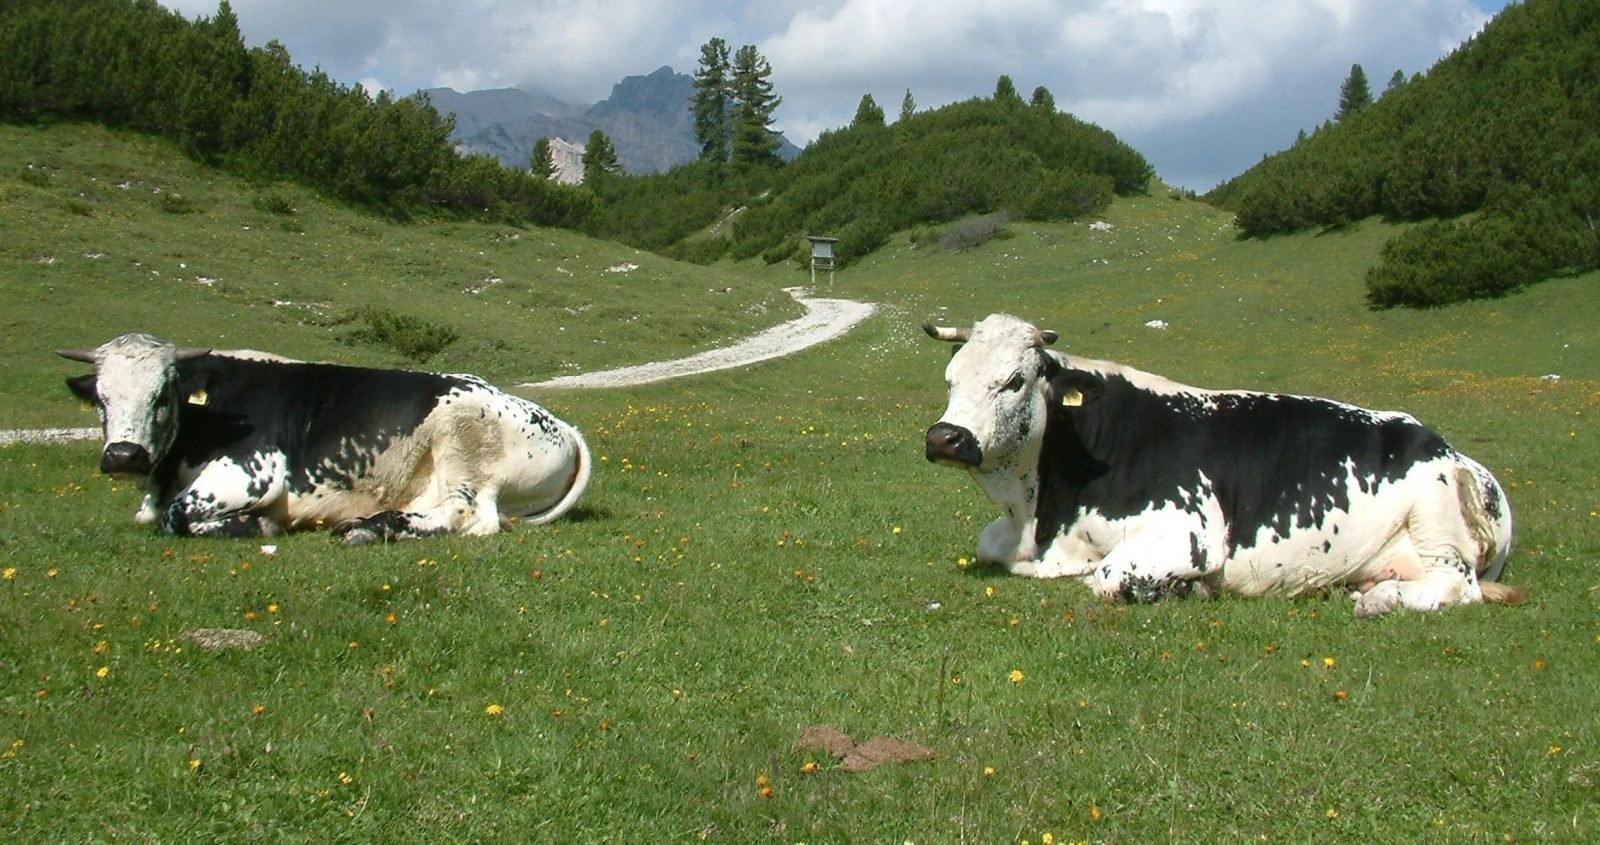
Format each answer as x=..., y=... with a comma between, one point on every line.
x=1002, y=383
x=135, y=388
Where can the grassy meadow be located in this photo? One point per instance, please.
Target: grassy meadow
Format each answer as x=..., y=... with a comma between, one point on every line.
x=761, y=551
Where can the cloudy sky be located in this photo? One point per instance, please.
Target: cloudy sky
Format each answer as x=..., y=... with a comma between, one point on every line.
x=1203, y=88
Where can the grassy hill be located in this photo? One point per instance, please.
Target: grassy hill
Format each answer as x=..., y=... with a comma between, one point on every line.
x=112, y=232
x=1495, y=148
x=762, y=551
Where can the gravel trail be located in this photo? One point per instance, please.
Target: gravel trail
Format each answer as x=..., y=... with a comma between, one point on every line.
x=824, y=320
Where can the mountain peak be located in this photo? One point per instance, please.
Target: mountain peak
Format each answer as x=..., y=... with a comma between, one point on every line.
x=647, y=118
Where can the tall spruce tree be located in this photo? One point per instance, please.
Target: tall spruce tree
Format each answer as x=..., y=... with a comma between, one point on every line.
x=542, y=163
x=1395, y=81
x=754, y=142
x=1354, y=94
x=1005, y=91
x=868, y=113
x=908, y=106
x=711, y=101
x=599, y=159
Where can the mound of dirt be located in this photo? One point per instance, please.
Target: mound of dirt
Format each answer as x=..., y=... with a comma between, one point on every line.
x=224, y=639
x=859, y=758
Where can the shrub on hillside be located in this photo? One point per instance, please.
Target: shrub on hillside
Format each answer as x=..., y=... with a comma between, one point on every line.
x=412, y=337
x=974, y=231
x=1502, y=129
x=1485, y=256
x=865, y=182
x=135, y=64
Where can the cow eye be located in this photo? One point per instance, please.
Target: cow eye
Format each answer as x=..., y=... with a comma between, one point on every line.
x=1014, y=384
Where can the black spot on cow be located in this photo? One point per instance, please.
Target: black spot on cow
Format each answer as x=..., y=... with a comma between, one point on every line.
x=1197, y=554
x=1276, y=463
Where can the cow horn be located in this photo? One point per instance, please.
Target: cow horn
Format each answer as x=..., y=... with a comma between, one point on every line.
x=947, y=334
x=186, y=353
x=1047, y=337
x=87, y=356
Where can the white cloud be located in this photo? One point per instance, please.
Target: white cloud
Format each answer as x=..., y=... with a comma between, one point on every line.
x=1202, y=87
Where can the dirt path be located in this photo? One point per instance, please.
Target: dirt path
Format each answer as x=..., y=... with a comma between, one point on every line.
x=824, y=320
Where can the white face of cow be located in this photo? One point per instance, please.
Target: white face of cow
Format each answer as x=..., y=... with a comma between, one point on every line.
x=998, y=393
x=135, y=389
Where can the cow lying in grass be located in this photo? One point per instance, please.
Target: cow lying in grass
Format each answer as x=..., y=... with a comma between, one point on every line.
x=1142, y=486
x=242, y=444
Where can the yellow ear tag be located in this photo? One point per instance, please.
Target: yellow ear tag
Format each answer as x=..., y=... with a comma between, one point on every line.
x=198, y=397
x=1072, y=398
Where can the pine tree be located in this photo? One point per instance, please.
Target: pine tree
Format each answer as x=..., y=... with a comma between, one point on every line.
x=754, y=142
x=599, y=159
x=867, y=113
x=1005, y=91
x=1043, y=99
x=542, y=163
x=1354, y=94
x=908, y=106
x=712, y=100
x=1395, y=81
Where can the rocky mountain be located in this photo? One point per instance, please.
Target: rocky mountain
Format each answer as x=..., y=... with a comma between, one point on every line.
x=646, y=117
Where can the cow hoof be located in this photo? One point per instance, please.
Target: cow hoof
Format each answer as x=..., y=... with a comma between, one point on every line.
x=357, y=536
x=1379, y=600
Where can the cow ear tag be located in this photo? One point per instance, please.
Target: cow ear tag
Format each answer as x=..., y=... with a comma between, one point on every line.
x=1072, y=398
x=198, y=397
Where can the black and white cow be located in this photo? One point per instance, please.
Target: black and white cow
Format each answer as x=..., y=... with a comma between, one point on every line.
x=1143, y=487
x=241, y=444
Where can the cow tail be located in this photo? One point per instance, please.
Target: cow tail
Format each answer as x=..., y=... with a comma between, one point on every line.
x=1491, y=531
x=1498, y=593
x=579, y=483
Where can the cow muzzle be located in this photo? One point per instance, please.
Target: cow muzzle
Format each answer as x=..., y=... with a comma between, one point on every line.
x=952, y=445
x=125, y=460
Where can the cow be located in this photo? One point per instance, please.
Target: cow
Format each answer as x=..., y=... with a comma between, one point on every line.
x=250, y=444
x=1142, y=487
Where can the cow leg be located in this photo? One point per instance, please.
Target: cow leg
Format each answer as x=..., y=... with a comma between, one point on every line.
x=484, y=519
x=1151, y=564
x=1000, y=542
x=1437, y=586
x=149, y=510
x=223, y=500
x=1069, y=556
x=385, y=526
x=465, y=510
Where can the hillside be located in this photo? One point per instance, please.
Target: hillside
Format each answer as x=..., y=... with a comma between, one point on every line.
x=254, y=113
x=865, y=182
x=120, y=226
x=1496, y=148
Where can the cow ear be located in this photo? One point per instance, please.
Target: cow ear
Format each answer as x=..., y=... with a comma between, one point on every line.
x=83, y=387
x=1072, y=388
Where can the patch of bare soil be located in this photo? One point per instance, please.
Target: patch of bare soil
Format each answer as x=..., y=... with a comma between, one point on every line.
x=224, y=639
x=855, y=757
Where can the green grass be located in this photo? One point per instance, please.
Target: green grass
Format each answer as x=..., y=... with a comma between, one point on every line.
x=764, y=550
x=92, y=238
